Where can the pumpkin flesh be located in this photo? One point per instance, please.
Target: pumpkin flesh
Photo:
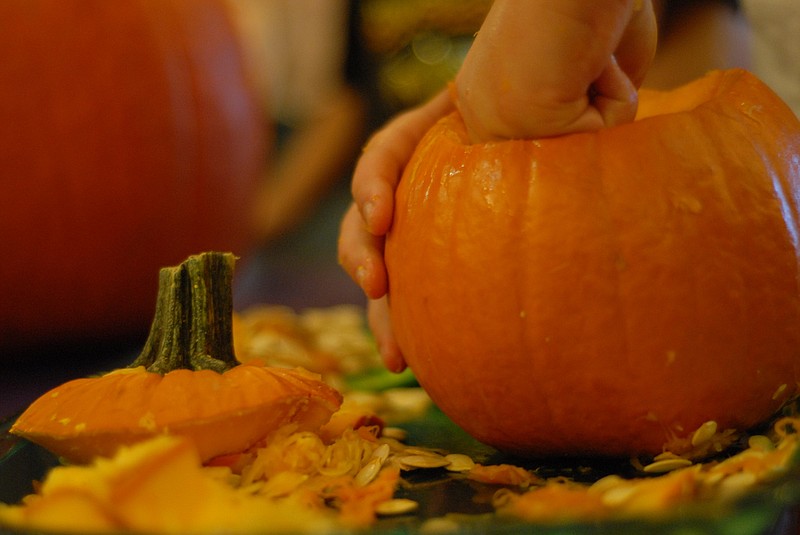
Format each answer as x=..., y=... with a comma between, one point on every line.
x=606, y=292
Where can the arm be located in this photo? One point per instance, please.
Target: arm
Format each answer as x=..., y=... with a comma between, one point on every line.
x=314, y=158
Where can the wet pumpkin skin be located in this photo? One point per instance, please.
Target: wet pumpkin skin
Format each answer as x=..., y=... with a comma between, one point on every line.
x=603, y=293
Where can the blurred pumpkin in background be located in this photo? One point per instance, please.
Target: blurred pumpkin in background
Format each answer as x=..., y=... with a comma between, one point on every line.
x=130, y=137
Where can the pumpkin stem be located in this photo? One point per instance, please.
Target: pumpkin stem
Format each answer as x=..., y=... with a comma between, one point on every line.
x=192, y=326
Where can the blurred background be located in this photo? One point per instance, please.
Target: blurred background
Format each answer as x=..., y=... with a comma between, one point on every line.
x=136, y=133
x=330, y=73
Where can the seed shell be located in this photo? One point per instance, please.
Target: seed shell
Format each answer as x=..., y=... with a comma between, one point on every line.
x=394, y=432
x=704, y=433
x=368, y=472
x=424, y=461
x=459, y=462
x=666, y=465
x=396, y=506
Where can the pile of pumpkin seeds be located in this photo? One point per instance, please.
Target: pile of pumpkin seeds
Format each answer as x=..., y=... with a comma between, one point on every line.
x=292, y=339
x=663, y=484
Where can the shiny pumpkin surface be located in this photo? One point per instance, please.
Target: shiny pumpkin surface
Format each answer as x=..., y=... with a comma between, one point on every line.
x=607, y=292
x=129, y=139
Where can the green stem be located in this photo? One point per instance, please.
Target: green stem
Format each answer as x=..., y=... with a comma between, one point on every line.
x=192, y=326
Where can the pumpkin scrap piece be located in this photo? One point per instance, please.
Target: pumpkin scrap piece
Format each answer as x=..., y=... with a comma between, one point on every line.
x=155, y=487
x=713, y=486
x=503, y=474
x=91, y=417
x=185, y=382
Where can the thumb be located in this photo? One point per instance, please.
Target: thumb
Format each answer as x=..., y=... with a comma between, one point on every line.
x=613, y=95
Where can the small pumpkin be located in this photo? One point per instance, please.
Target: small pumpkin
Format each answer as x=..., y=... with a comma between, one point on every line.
x=185, y=382
x=130, y=136
x=607, y=292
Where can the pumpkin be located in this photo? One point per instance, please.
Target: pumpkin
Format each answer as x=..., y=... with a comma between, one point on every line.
x=130, y=137
x=185, y=382
x=608, y=292
x=155, y=486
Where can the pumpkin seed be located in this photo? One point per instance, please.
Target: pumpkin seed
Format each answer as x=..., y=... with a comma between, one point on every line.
x=666, y=465
x=417, y=450
x=760, y=442
x=381, y=453
x=423, y=461
x=704, y=433
x=395, y=433
x=459, y=462
x=368, y=473
x=666, y=455
x=439, y=525
x=779, y=391
x=396, y=506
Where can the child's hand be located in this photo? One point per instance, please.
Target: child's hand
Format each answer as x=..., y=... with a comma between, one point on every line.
x=537, y=68
x=369, y=217
x=550, y=67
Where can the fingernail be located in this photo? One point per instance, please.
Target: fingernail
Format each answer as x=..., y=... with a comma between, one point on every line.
x=394, y=363
x=367, y=211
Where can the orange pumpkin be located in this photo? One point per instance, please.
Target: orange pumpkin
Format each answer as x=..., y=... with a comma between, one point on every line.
x=185, y=382
x=219, y=412
x=130, y=136
x=606, y=292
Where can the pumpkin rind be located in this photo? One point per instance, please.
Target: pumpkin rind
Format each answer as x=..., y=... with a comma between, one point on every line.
x=91, y=417
x=186, y=381
x=606, y=292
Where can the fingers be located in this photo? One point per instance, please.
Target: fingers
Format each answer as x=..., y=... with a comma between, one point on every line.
x=518, y=83
x=637, y=46
x=381, y=165
x=381, y=326
x=615, y=96
x=361, y=254
x=374, y=180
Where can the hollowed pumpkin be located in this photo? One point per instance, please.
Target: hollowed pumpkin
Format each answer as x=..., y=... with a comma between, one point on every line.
x=185, y=382
x=607, y=292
